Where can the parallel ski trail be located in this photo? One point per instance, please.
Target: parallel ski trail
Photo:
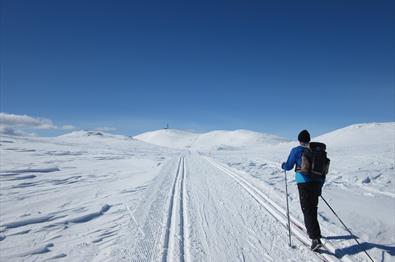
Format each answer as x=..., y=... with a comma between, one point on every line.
x=185, y=231
x=174, y=236
x=182, y=211
x=279, y=213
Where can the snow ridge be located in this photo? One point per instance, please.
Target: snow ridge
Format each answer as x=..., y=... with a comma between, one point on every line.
x=218, y=139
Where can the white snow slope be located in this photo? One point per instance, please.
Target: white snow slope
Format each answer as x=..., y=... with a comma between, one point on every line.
x=91, y=196
x=218, y=140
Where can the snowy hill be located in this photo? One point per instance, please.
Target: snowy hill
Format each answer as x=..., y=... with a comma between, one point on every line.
x=372, y=134
x=169, y=138
x=237, y=138
x=366, y=153
x=91, y=195
x=91, y=134
x=219, y=139
x=360, y=184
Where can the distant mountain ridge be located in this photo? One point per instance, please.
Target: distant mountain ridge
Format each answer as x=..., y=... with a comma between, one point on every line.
x=361, y=135
x=211, y=140
x=356, y=134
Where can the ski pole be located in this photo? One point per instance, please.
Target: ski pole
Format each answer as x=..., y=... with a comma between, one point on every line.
x=286, y=194
x=349, y=231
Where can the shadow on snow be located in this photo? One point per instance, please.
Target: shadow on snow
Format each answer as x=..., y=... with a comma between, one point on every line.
x=354, y=249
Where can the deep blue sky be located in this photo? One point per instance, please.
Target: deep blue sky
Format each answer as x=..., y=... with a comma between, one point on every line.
x=270, y=66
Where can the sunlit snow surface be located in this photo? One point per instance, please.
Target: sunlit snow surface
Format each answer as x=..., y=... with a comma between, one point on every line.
x=67, y=197
x=91, y=196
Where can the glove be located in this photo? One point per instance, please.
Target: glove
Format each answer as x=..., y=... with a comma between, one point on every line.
x=283, y=165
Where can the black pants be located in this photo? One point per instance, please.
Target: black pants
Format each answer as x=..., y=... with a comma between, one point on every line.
x=308, y=195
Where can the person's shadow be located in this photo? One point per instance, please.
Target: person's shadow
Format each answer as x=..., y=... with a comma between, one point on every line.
x=354, y=249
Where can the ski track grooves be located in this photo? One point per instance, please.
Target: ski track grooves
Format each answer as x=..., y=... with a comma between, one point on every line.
x=175, y=236
x=279, y=213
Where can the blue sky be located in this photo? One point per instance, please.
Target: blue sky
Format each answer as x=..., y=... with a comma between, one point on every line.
x=269, y=66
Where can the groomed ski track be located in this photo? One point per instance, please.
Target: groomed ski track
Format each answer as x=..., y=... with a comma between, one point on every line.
x=175, y=238
x=297, y=228
x=198, y=209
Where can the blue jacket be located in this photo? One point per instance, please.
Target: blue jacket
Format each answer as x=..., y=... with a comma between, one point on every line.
x=295, y=158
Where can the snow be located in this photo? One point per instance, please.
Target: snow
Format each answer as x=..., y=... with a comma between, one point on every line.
x=169, y=137
x=172, y=195
x=219, y=139
x=361, y=135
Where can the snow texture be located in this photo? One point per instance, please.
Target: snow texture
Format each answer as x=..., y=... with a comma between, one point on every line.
x=172, y=195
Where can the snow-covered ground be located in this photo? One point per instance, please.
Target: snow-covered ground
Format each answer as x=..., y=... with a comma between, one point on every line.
x=68, y=197
x=172, y=195
x=214, y=140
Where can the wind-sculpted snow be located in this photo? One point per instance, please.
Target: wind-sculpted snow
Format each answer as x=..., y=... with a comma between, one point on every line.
x=30, y=170
x=94, y=196
x=39, y=250
x=29, y=221
x=87, y=217
x=64, y=197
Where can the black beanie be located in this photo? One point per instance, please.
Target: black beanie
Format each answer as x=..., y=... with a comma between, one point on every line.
x=304, y=136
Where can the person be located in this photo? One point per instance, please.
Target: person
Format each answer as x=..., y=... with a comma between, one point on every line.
x=309, y=190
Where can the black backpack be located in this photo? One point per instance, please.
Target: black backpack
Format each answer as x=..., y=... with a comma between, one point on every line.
x=315, y=162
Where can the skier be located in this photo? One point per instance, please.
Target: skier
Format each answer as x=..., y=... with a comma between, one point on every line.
x=309, y=190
